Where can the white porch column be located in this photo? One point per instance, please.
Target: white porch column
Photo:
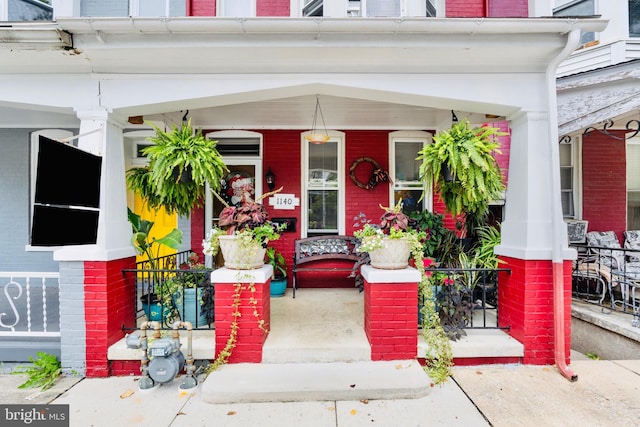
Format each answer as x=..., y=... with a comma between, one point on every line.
x=527, y=229
x=102, y=136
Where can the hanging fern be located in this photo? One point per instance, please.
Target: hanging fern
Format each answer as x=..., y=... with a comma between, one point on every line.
x=468, y=153
x=174, y=155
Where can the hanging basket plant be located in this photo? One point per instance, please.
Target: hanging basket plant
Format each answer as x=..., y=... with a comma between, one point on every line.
x=181, y=162
x=474, y=178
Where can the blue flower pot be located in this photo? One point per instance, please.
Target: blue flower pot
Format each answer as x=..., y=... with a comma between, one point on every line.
x=278, y=287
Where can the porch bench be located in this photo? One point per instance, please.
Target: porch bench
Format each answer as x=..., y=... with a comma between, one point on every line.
x=311, y=251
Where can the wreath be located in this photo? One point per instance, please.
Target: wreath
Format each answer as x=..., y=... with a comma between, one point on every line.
x=378, y=175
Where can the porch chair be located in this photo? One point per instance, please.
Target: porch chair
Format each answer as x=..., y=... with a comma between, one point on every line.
x=609, y=259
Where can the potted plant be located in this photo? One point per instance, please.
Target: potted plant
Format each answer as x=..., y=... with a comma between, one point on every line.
x=144, y=244
x=475, y=176
x=279, y=277
x=242, y=234
x=391, y=242
x=181, y=162
x=187, y=294
x=435, y=232
x=394, y=225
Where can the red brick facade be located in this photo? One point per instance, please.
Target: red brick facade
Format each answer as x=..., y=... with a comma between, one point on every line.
x=466, y=8
x=391, y=320
x=526, y=306
x=604, y=182
x=248, y=347
x=109, y=305
x=508, y=8
x=454, y=8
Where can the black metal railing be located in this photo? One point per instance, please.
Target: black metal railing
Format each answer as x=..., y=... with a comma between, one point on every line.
x=609, y=277
x=466, y=298
x=173, y=291
x=165, y=262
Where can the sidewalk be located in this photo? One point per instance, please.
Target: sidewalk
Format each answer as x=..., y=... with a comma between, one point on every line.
x=605, y=394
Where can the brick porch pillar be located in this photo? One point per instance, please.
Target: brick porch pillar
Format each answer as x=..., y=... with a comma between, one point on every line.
x=391, y=312
x=525, y=304
x=248, y=347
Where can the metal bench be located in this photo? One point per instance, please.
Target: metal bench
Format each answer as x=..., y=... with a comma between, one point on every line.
x=311, y=251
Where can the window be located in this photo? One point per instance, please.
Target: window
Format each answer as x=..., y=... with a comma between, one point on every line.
x=154, y=8
x=242, y=152
x=323, y=183
x=21, y=10
x=405, y=170
x=237, y=8
x=578, y=8
x=566, y=179
x=431, y=8
x=312, y=8
x=634, y=18
x=633, y=184
x=373, y=8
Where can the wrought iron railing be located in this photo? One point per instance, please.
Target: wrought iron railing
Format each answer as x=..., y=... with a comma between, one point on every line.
x=29, y=304
x=467, y=298
x=609, y=277
x=174, y=290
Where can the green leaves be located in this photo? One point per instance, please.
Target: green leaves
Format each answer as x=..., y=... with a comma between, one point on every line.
x=144, y=243
x=469, y=154
x=43, y=373
x=181, y=162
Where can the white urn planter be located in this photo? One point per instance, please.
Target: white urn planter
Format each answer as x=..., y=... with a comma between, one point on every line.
x=239, y=256
x=393, y=255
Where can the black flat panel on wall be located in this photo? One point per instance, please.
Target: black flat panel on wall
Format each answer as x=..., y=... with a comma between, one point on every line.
x=60, y=226
x=67, y=175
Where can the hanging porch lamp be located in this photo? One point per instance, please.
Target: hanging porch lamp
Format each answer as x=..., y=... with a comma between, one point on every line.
x=316, y=137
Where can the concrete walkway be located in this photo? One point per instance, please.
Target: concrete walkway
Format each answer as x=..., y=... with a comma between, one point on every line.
x=606, y=394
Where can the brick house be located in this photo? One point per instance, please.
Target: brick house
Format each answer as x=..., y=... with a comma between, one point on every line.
x=386, y=84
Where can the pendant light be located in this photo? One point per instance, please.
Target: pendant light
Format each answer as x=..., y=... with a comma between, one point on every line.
x=316, y=137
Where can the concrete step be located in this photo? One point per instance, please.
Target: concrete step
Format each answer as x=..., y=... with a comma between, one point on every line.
x=296, y=382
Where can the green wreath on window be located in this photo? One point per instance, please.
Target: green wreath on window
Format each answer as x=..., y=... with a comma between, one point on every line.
x=378, y=174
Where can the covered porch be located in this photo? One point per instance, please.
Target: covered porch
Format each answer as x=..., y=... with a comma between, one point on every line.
x=263, y=76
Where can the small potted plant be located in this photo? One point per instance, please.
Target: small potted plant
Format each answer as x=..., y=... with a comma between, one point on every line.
x=279, y=277
x=391, y=242
x=242, y=234
x=187, y=294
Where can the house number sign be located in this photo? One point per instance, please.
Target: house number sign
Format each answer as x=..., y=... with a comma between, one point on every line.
x=284, y=201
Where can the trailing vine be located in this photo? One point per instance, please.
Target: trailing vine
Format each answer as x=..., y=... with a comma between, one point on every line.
x=225, y=353
x=439, y=356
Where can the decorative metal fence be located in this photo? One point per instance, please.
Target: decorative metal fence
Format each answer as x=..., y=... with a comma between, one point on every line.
x=608, y=277
x=29, y=304
x=466, y=298
x=175, y=289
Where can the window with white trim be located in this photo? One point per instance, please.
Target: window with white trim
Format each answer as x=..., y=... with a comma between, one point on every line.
x=405, y=170
x=155, y=8
x=578, y=8
x=237, y=8
x=634, y=18
x=633, y=184
x=368, y=8
x=567, y=179
x=323, y=186
x=57, y=134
